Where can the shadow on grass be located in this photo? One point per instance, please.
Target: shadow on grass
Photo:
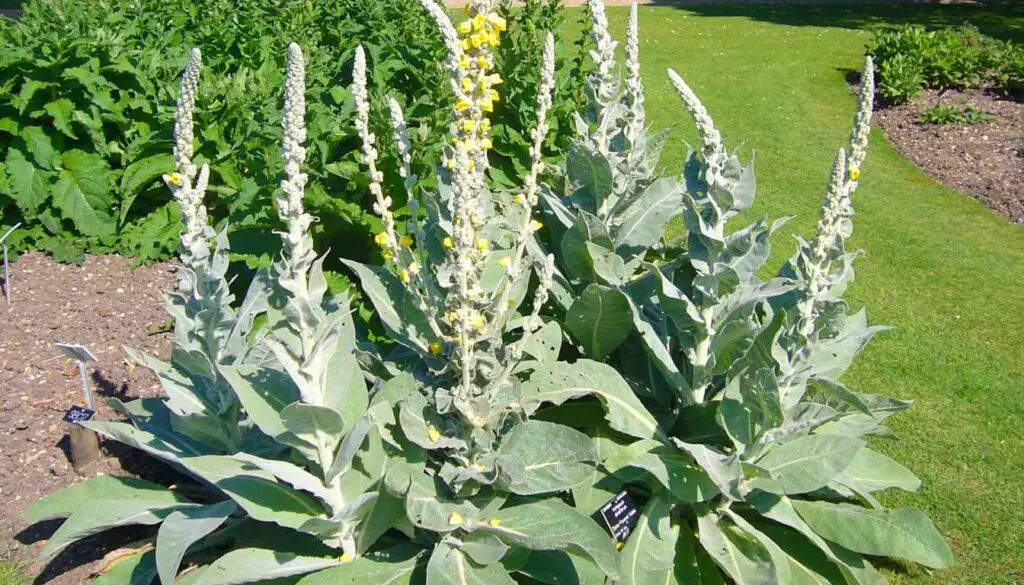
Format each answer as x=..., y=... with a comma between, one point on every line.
x=1002, y=20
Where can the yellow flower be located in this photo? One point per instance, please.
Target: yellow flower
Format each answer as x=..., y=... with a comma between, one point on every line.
x=174, y=179
x=450, y=163
x=467, y=84
x=854, y=173
x=414, y=268
x=486, y=143
x=346, y=558
x=447, y=243
x=464, y=62
x=495, y=79
x=469, y=125
x=619, y=545
x=465, y=44
x=495, y=522
x=483, y=245
x=381, y=239
x=433, y=434
x=510, y=304
x=478, y=322
x=493, y=39
x=517, y=200
x=455, y=519
x=505, y=262
x=477, y=40
x=435, y=348
x=465, y=27
x=479, y=21
x=487, y=105
x=494, y=96
x=472, y=165
x=535, y=225
x=485, y=125
x=481, y=62
x=479, y=422
x=404, y=276
x=451, y=316
x=462, y=105
x=386, y=254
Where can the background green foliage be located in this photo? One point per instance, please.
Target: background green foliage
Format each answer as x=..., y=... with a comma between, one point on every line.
x=912, y=58
x=88, y=93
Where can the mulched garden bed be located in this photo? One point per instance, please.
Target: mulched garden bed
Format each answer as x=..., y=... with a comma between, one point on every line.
x=104, y=304
x=985, y=161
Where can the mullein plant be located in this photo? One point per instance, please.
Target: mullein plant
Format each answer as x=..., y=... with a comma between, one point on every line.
x=208, y=332
x=479, y=477
x=307, y=493
x=758, y=471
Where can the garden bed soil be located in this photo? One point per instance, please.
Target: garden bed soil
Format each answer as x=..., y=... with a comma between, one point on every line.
x=105, y=305
x=985, y=161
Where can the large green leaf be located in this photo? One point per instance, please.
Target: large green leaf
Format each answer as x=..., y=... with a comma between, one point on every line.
x=394, y=566
x=693, y=566
x=61, y=111
x=649, y=554
x=264, y=393
x=564, y=381
x=28, y=185
x=256, y=491
x=600, y=486
x=552, y=525
x=808, y=463
x=65, y=502
x=83, y=193
x=181, y=529
x=138, y=569
x=450, y=566
x=44, y=153
x=871, y=471
x=599, y=320
x=745, y=560
x=541, y=457
x=138, y=176
x=675, y=471
x=906, y=533
x=100, y=514
x=592, y=173
x=248, y=565
x=644, y=220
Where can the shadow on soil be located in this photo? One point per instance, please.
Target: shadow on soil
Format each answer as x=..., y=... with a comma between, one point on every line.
x=1002, y=20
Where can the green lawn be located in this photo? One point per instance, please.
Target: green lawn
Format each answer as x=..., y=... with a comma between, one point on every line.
x=11, y=574
x=942, y=269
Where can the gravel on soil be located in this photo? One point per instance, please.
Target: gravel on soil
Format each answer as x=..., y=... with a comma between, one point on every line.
x=985, y=161
x=105, y=304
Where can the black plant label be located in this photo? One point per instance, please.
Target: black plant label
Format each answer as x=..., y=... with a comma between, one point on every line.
x=77, y=415
x=620, y=516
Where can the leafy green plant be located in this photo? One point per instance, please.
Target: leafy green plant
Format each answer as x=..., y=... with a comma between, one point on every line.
x=758, y=468
x=469, y=443
x=947, y=114
x=84, y=117
x=912, y=58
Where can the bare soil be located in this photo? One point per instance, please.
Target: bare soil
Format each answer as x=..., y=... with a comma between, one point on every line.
x=985, y=161
x=104, y=304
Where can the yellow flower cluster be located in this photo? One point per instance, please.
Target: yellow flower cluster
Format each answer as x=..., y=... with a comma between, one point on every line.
x=479, y=35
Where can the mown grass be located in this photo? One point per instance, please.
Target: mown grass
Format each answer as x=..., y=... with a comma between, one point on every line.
x=939, y=267
x=12, y=574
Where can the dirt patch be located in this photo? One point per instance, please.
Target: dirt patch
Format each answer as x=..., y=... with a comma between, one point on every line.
x=104, y=305
x=982, y=160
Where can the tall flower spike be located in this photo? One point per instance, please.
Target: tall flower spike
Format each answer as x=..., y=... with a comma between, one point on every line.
x=714, y=151
x=634, y=84
x=183, y=132
x=862, y=120
x=186, y=189
x=404, y=146
x=538, y=134
x=451, y=40
x=387, y=239
x=298, y=245
x=604, y=51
